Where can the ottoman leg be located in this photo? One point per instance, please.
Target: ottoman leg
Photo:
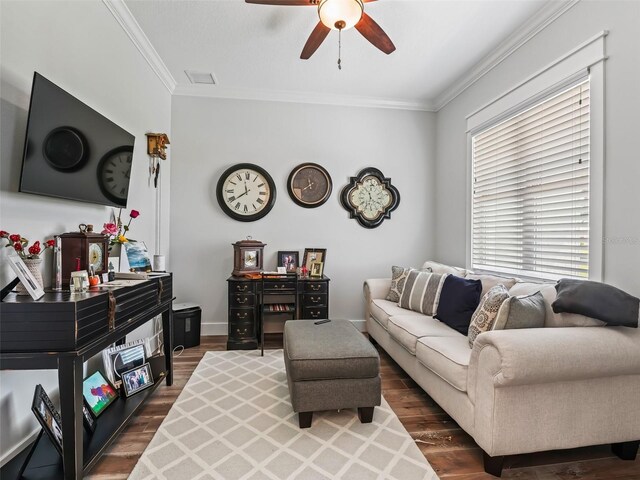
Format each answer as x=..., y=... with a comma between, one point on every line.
x=304, y=419
x=365, y=414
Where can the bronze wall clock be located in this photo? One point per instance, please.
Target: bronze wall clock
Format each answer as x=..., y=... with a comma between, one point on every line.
x=309, y=185
x=246, y=192
x=370, y=197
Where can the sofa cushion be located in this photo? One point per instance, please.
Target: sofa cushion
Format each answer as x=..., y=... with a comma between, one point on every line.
x=381, y=310
x=458, y=300
x=398, y=279
x=526, y=311
x=490, y=281
x=407, y=329
x=442, y=268
x=486, y=313
x=598, y=300
x=447, y=357
x=422, y=292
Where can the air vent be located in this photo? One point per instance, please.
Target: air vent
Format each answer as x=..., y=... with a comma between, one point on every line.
x=201, y=77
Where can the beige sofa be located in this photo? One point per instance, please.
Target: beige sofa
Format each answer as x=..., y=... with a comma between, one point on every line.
x=520, y=391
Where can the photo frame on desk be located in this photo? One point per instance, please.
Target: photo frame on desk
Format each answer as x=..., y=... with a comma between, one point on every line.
x=48, y=417
x=25, y=276
x=316, y=269
x=98, y=392
x=137, y=256
x=313, y=255
x=290, y=260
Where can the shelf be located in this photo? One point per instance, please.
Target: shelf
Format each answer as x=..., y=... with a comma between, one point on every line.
x=279, y=308
x=46, y=463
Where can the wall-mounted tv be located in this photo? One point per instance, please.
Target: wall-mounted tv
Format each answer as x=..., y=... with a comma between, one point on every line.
x=73, y=152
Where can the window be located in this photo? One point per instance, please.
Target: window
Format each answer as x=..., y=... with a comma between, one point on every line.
x=530, y=189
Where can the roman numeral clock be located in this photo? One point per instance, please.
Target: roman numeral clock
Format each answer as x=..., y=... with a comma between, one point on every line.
x=246, y=192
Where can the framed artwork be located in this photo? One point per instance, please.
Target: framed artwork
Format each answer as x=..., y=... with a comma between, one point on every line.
x=290, y=260
x=137, y=379
x=48, y=417
x=98, y=392
x=138, y=256
x=25, y=276
x=316, y=269
x=312, y=255
x=87, y=417
x=121, y=358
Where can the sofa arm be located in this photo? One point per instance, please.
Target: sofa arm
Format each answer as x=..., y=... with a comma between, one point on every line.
x=374, y=288
x=546, y=355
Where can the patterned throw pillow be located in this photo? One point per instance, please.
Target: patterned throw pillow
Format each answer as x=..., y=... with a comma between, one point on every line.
x=421, y=292
x=398, y=278
x=486, y=313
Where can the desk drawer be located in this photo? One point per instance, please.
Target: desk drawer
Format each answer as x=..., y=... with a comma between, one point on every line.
x=314, y=313
x=242, y=300
x=242, y=287
x=237, y=315
x=242, y=330
x=315, y=287
x=313, y=300
x=284, y=285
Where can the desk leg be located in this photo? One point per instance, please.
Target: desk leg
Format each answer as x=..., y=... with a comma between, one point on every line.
x=167, y=337
x=70, y=385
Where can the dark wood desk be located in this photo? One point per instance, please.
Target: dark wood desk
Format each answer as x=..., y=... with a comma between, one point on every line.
x=245, y=301
x=77, y=327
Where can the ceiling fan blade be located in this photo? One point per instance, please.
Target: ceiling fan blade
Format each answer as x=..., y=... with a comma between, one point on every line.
x=311, y=3
x=374, y=33
x=315, y=39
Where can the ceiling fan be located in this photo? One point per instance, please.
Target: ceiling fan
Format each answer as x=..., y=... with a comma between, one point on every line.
x=338, y=15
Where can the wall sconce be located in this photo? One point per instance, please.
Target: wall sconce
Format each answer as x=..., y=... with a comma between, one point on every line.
x=157, y=145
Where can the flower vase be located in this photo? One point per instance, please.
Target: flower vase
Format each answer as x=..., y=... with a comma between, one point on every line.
x=33, y=265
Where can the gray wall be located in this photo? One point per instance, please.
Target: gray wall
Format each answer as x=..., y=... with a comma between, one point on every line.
x=622, y=102
x=210, y=135
x=80, y=47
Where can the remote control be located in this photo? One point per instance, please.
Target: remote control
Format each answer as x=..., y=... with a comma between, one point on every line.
x=318, y=322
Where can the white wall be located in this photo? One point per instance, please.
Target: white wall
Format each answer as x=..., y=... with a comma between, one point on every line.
x=80, y=47
x=622, y=169
x=210, y=135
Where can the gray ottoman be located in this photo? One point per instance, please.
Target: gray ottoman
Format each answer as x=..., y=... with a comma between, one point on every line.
x=330, y=366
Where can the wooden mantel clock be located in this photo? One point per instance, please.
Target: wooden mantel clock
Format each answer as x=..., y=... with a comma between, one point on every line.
x=91, y=248
x=247, y=257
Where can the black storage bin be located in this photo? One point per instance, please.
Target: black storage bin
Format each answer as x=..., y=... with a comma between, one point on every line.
x=186, y=324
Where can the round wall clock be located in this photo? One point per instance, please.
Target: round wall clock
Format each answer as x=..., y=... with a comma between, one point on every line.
x=114, y=172
x=309, y=185
x=65, y=149
x=370, y=197
x=246, y=192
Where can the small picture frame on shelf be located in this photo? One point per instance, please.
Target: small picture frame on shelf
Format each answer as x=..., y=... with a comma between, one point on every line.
x=290, y=260
x=137, y=256
x=137, y=379
x=48, y=417
x=313, y=255
x=122, y=358
x=98, y=392
x=88, y=419
x=25, y=276
x=316, y=269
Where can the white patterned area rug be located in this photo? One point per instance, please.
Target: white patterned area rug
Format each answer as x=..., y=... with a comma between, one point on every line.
x=234, y=421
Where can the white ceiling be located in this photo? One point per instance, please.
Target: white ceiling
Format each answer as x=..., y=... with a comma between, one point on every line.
x=253, y=50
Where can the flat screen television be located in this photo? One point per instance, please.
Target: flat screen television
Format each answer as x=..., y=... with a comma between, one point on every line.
x=73, y=152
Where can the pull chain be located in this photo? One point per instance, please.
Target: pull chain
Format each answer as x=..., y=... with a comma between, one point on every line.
x=339, y=49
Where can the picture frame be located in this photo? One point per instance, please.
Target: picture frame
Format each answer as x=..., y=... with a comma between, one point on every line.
x=138, y=257
x=47, y=416
x=312, y=255
x=25, y=276
x=289, y=259
x=120, y=358
x=88, y=419
x=98, y=392
x=316, y=269
x=137, y=379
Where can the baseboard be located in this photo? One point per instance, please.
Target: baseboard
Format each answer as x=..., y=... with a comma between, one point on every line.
x=216, y=329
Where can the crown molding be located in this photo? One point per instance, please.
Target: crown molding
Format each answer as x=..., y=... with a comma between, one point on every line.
x=132, y=28
x=552, y=10
x=299, y=97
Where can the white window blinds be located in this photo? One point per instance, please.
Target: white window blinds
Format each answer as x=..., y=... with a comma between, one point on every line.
x=530, y=212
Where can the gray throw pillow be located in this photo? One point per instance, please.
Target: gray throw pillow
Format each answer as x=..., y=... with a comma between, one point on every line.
x=597, y=300
x=398, y=279
x=527, y=311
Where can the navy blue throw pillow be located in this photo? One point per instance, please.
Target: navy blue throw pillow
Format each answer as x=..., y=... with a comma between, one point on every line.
x=459, y=298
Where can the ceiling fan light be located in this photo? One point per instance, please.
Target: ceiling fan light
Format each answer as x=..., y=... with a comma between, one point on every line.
x=340, y=14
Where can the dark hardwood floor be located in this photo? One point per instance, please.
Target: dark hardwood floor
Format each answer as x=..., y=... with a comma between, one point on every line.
x=452, y=453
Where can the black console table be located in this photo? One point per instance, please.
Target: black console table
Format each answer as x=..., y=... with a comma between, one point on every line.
x=61, y=331
x=245, y=307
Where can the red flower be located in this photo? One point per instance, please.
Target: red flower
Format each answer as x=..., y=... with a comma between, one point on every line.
x=134, y=214
x=3, y=234
x=35, y=248
x=15, y=237
x=50, y=243
x=17, y=247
